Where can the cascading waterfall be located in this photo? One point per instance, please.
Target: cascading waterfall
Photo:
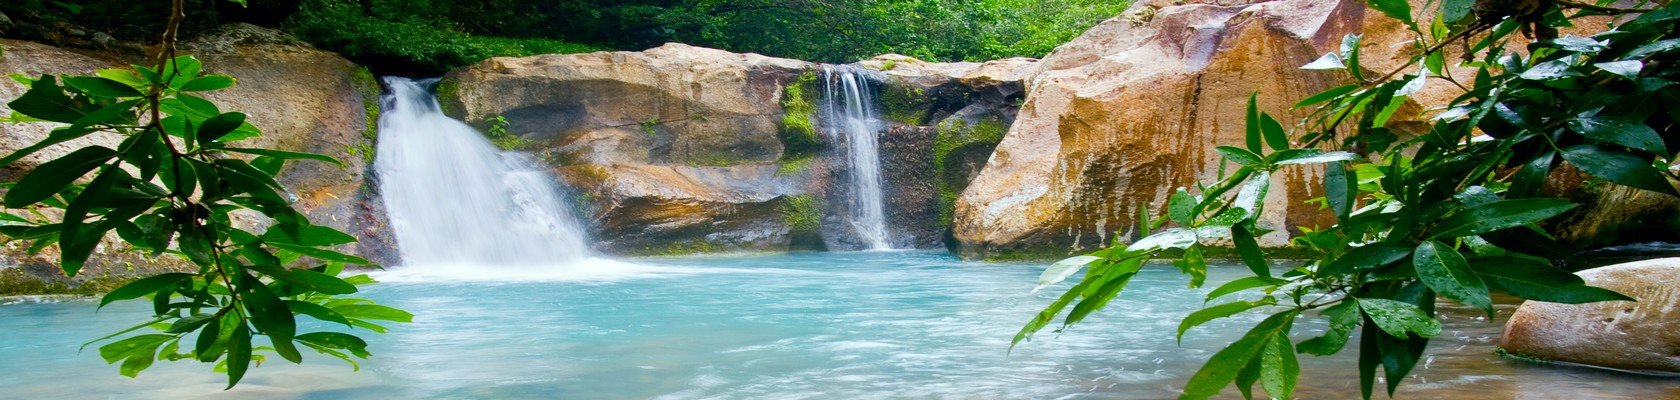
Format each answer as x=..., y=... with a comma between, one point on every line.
x=456, y=201
x=850, y=118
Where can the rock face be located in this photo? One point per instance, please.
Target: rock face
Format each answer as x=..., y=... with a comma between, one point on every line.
x=1639, y=336
x=681, y=149
x=303, y=100
x=1131, y=110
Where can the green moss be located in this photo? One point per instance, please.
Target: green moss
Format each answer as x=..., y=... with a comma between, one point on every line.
x=799, y=109
x=802, y=213
x=905, y=104
x=677, y=248
x=950, y=138
x=791, y=167
x=448, y=94
x=369, y=88
x=14, y=282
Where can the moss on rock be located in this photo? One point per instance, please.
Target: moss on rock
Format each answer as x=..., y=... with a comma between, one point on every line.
x=799, y=111
x=956, y=136
x=905, y=104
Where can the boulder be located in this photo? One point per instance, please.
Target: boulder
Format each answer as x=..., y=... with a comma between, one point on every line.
x=1121, y=116
x=314, y=101
x=1625, y=335
x=303, y=100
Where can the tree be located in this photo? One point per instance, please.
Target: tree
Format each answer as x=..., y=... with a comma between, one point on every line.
x=1449, y=213
x=172, y=188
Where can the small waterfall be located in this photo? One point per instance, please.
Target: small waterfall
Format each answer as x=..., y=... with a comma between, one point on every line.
x=850, y=117
x=456, y=201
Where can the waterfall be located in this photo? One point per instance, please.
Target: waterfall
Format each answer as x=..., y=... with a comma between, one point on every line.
x=850, y=118
x=456, y=201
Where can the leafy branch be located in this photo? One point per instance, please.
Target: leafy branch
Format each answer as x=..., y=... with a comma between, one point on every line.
x=174, y=187
x=1450, y=212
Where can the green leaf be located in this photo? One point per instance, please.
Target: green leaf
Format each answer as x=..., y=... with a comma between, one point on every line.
x=124, y=76
x=1539, y=281
x=1444, y=270
x=208, y=83
x=143, y=286
x=1061, y=270
x=1327, y=94
x=1365, y=258
x=1278, y=367
x=180, y=70
x=46, y=100
x=316, y=311
x=1179, y=207
x=1503, y=214
x=52, y=176
x=118, y=112
x=1397, y=9
x=1192, y=263
x=205, y=347
x=216, y=127
x=1341, y=189
x=1253, y=124
x=285, y=155
x=318, y=282
x=336, y=340
x=239, y=354
x=1220, y=311
x=1344, y=317
x=136, y=353
x=373, y=311
x=1398, y=318
x=1632, y=134
x=1618, y=167
x=1273, y=131
x=102, y=87
x=1626, y=69
x=1104, y=294
x=57, y=136
x=1222, y=368
x=1242, y=284
x=306, y=235
x=1249, y=249
x=1049, y=313
x=1310, y=156
x=1244, y=157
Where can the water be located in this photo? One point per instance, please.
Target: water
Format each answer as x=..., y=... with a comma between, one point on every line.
x=817, y=325
x=851, y=118
x=456, y=202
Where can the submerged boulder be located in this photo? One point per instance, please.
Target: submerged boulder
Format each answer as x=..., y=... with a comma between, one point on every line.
x=303, y=99
x=1642, y=335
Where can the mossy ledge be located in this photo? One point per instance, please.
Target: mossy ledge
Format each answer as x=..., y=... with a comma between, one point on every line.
x=798, y=132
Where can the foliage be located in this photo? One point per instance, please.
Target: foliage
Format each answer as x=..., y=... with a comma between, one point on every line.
x=798, y=132
x=410, y=43
x=174, y=186
x=498, y=133
x=1448, y=213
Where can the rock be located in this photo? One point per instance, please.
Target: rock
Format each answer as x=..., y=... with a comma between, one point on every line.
x=308, y=100
x=1122, y=115
x=661, y=209
x=1609, y=214
x=737, y=133
x=1637, y=336
x=303, y=99
x=692, y=105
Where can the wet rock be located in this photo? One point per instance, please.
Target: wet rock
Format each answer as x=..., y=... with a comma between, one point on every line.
x=1639, y=336
x=617, y=123
x=662, y=209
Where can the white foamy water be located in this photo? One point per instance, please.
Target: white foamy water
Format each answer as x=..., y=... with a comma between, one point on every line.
x=851, y=118
x=458, y=205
